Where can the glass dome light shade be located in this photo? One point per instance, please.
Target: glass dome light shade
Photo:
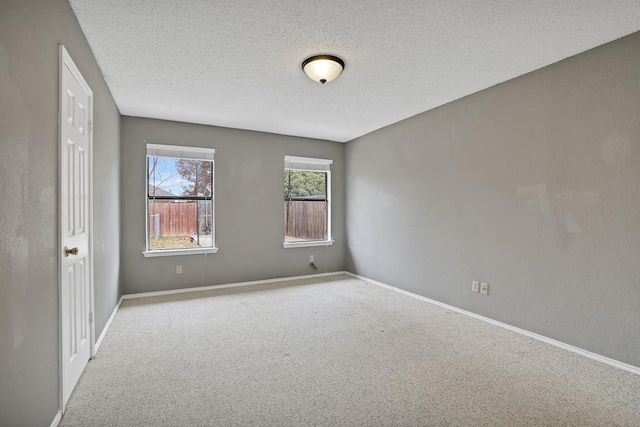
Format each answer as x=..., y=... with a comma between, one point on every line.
x=323, y=68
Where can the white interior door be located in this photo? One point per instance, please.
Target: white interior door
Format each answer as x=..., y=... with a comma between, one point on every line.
x=76, y=278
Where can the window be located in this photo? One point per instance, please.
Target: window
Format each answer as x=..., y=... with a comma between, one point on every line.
x=307, y=202
x=180, y=214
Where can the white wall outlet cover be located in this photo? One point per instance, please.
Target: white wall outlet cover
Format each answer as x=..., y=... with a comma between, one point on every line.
x=475, y=286
x=484, y=288
x=310, y=258
x=178, y=269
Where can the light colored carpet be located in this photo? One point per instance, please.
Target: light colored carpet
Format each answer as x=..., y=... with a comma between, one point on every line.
x=335, y=351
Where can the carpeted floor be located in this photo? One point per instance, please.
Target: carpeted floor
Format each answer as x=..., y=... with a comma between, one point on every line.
x=334, y=351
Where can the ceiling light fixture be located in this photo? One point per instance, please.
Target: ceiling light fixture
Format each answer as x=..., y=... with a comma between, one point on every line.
x=323, y=68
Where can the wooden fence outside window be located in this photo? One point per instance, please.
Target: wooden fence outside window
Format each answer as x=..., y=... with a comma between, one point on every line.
x=305, y=220
x=176, y=219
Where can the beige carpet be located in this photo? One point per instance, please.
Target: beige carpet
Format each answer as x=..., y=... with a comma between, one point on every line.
x=334, y=352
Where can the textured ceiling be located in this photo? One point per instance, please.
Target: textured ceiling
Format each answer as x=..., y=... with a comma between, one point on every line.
x=237, y=63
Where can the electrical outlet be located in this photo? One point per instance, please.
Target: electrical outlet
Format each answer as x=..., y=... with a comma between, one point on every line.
x=178, y=269
x=310, y=258
x=475, y=286
x=484, y=288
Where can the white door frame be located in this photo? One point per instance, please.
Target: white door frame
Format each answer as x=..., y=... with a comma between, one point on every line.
x=67, y=62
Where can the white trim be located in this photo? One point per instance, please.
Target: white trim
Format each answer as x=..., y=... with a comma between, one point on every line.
x=56, y=419
x=66, y=61
x=184, y=152
x=108, y=325
x=172, y=252
x=317, y=165
x=92, y=315
x=289, y=245
x=329, y=207
x=229, y=285
x=551, y=341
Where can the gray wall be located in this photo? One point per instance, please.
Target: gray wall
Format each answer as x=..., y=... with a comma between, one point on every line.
x=532, y=186
x=248, y=207
x=30, y=33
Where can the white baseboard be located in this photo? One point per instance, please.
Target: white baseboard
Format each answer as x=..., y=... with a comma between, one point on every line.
x=230, y=285
x=556, y=343
x=57, y=419
x=107, y=326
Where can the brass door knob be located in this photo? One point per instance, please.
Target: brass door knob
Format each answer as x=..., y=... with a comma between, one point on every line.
x=72, y=251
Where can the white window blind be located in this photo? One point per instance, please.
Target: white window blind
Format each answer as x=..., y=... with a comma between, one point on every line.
x=307, y=163
x=178, y=151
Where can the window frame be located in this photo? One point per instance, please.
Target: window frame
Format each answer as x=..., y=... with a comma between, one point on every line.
x=188, y=153
x=311, y=164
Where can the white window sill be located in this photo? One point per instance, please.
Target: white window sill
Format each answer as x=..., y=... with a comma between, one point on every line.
x=289, y=245
x=172, y=252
